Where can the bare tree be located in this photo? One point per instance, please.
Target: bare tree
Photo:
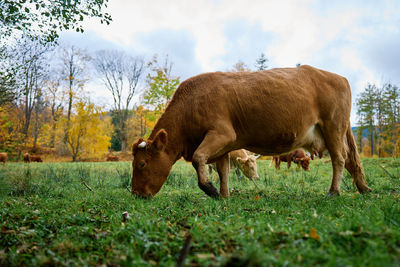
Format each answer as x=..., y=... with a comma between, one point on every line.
x=31, y=64
x=74, y=65
x=55, y=101
x=240, y=66
x=121, y=74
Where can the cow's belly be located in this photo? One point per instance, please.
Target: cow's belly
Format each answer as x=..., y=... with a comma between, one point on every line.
x=310, y=140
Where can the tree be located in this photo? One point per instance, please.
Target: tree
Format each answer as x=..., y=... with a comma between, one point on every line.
x=43, y=19
x=74, y=65
x=365, y=111
x=7, y=78
x=392, y=98
x=239, y=67
x=161, y=85
x=121, y=75
x=39, y=107
x=55, y=100
x=31, y=66
x=378, y=111
x=88, y=134
x=261, y=62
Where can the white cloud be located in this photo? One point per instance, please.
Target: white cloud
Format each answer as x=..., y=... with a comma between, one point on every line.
x=352, y=38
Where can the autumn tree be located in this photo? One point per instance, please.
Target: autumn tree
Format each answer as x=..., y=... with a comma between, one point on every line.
x=88, y=135
x=240, y=66
x=74, y=73
x=121, y=74
x=30, y=62
x=378, y=111
x=161, y=84
x=261, y=62
x=392, y=100
x=55, y=102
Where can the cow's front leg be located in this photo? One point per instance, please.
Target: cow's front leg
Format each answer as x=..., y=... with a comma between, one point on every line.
x=212, y=147
x=223, y=172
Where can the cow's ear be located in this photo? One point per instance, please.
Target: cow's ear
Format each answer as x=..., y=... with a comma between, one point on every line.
x=160, y=140
x=240, y=160
x=135, y=146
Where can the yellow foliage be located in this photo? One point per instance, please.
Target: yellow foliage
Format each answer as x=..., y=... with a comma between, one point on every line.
x=366, y=151
x=89, y=132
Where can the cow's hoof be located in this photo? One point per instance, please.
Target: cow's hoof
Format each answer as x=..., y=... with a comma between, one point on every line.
x=364, y=189
x=333, y=193
x=209, y=189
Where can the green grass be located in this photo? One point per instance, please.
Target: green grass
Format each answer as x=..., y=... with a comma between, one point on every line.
x=49, y=217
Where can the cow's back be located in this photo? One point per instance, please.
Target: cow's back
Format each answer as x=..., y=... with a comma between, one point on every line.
x=269, y=109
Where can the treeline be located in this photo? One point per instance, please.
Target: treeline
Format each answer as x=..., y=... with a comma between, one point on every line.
x=45, y=106
x=378, y=111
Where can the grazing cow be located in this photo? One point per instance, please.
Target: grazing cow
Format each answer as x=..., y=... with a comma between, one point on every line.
x=298, y=156
x=267, y=112
x=27, y=158
x=3, y=157
x=32, y=158
x=112, y=158
x=241, y=161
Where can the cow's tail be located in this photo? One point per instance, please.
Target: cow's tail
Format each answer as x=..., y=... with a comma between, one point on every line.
x=353, y=163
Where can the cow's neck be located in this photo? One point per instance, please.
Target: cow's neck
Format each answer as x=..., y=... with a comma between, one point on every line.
x=170, y=122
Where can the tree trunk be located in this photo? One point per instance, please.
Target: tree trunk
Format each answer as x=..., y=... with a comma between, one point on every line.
x=36, y=131
x=70, y=96
x=372, y=140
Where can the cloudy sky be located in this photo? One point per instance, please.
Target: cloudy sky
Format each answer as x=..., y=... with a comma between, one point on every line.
x=359, y=39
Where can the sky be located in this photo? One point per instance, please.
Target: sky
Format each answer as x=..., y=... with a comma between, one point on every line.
x=358, y=39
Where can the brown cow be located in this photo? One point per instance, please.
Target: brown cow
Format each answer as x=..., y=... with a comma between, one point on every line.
x=32, y=158
x=26, y=158
x=241, y=161
x=3, y=157
x=112, y=158
x=298, y=156
x=267, y=112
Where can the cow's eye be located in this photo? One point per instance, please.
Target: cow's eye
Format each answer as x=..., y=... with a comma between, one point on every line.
x=142, y=164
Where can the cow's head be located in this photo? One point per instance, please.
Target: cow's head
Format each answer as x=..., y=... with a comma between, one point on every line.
x=249, y=166
x=151, y=165
x=305, y=162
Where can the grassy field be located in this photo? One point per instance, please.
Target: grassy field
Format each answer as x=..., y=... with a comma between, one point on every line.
x=49, y=217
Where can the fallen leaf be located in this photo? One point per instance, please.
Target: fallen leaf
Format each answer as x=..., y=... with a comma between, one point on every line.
x=313, y=234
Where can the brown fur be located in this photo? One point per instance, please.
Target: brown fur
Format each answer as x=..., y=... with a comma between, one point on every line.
x=3, y=157
x=26, y=158
x=32, y=158
x=267, y=112
x=112, y=158
x=298, y=156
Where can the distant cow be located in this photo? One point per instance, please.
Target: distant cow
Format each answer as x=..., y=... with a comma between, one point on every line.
x=269, y=112
x=242, y=161
x=32, y=158
x=3, y=157
x=26, y=158
x=297, y=156
x=112, y=158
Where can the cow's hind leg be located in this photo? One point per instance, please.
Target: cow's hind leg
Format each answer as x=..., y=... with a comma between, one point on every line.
x=212, y=147
x=334, y=140
x=223, y=172
x=353, y=163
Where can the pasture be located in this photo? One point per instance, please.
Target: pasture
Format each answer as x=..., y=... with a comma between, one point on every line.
x=48, y=216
